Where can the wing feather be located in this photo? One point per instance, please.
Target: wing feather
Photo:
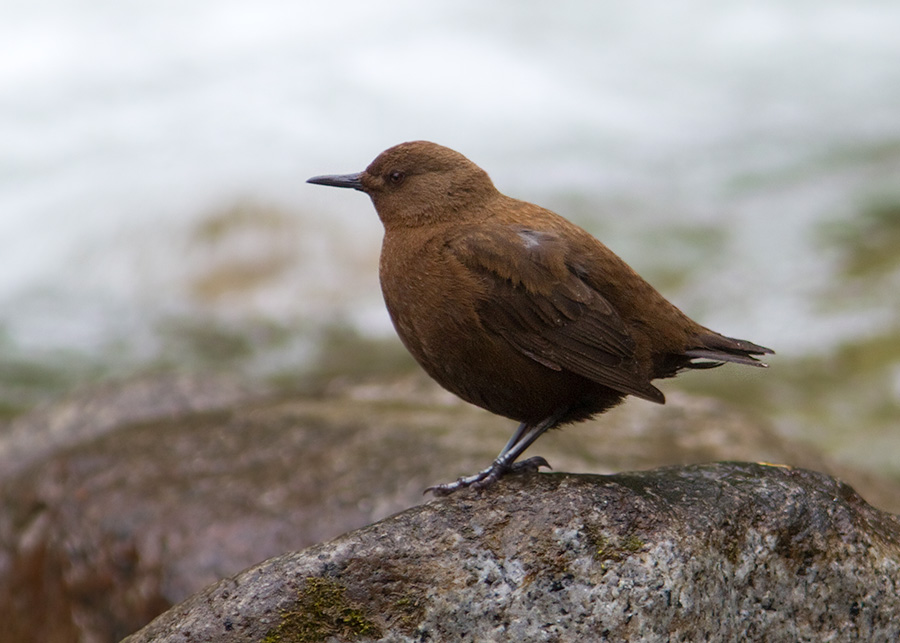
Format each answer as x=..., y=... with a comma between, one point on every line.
x=536, y=301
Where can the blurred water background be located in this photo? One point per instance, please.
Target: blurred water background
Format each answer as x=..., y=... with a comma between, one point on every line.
x=743, y=156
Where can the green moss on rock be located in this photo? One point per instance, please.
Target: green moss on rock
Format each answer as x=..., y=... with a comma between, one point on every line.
x=614, y=549
x=322, y=611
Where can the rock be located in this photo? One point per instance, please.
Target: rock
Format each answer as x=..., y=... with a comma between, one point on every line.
x=722, y=552
x=128, y=501
x=89, y=413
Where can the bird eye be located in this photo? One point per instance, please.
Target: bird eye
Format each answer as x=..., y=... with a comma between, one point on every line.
x=396, y=177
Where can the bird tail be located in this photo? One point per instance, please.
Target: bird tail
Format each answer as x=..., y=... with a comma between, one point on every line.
x=717, y=349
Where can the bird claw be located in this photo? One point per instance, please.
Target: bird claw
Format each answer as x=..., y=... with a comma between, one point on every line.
x=531, y=465
x=489, y=476
x=440, y=490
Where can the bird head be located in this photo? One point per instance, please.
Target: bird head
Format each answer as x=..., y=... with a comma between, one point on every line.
x=419, y=183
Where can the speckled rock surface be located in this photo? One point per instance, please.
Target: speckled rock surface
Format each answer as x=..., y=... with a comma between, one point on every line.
x=724, y=552
x=119, y=503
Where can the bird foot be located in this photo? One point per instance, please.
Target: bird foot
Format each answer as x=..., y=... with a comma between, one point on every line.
x=489, y=476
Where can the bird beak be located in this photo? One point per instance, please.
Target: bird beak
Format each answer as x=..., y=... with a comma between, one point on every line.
x=339, y=180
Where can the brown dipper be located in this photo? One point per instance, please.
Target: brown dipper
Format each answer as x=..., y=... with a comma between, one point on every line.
x=515, y=309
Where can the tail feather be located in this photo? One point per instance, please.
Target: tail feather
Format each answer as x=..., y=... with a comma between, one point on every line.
x=719, y=348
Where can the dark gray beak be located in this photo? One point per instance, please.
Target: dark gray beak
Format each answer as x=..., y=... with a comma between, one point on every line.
x=339, y=180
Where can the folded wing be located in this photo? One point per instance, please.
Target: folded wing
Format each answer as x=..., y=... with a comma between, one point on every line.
x=539, y=305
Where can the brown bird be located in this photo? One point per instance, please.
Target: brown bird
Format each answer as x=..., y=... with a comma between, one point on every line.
x=515, y=309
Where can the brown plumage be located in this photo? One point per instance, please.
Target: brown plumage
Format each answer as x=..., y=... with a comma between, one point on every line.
x=515, y=309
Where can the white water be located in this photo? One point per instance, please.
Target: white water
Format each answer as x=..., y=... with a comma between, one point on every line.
x=123, y=125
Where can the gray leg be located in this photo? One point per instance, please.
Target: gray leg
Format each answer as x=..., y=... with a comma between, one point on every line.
x=516, y=436
x=521, y=439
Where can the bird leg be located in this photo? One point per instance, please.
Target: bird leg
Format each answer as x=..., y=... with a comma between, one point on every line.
x=505, y=463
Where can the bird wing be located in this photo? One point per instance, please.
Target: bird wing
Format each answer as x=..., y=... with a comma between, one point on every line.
x=537, y=302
